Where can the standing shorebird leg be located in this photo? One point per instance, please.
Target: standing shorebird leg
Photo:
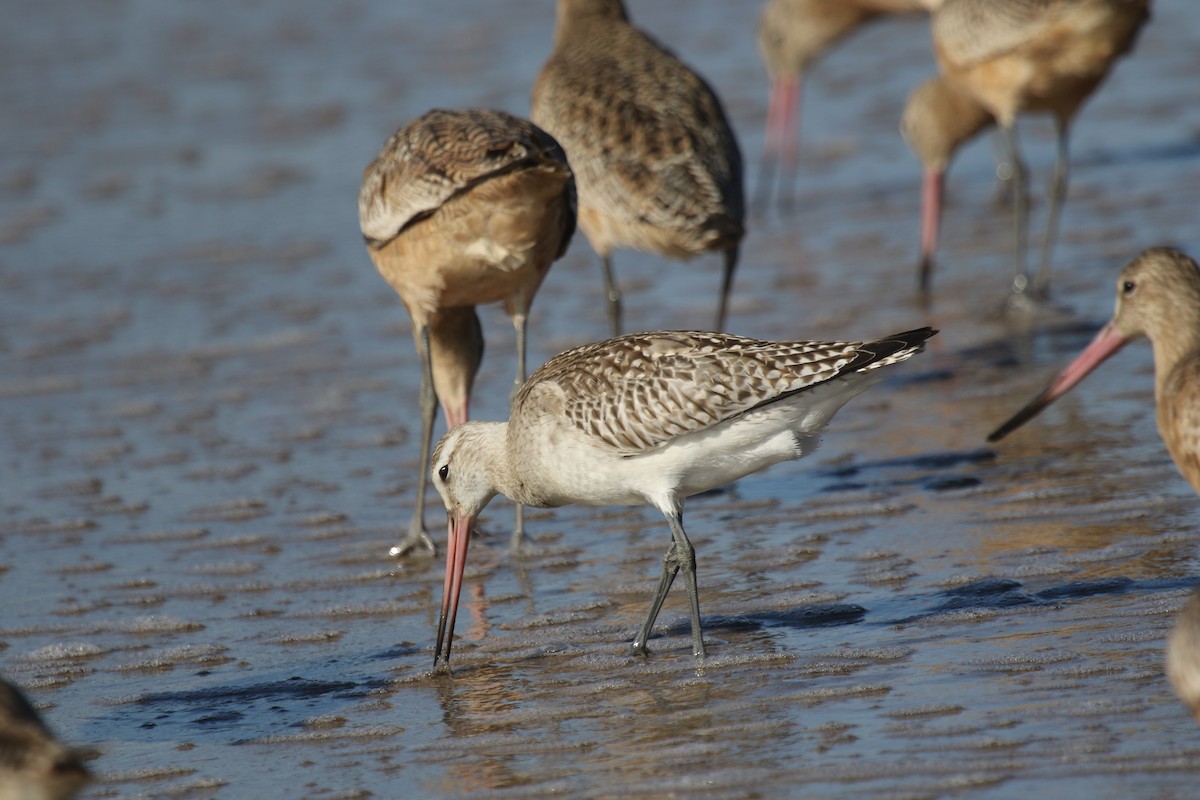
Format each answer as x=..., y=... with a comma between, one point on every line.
x=680, y=556
x=613, y=293
x=417, y=537
x=1058, y=195
x=1020, y=214
x=517, y=542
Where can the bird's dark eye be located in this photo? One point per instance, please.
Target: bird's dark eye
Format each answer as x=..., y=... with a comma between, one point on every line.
x=444, y=472
x=1127, y=287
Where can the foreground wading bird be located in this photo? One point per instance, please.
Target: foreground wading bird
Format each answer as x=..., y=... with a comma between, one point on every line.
x=1021, y=56
x=462, y=208
x=33, y=764
x=657, y=164
x=1158, y=296
x=650, y=418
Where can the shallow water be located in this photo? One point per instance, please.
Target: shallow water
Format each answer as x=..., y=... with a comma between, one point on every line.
x=207, y=413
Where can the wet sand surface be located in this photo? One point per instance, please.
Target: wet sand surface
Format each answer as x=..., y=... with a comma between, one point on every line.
x=208, y=427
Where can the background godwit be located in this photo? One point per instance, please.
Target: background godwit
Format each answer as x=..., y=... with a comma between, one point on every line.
x=1183, y=655
x=657, y=164
x=792, y=36
x=1034, y=55
x=650, y=418
x=938, y=118
x=1158, y=296
x=33, y=764
x=462, y=208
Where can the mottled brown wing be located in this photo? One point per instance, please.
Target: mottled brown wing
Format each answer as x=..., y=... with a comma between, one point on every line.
x=635, y=392
x=645, y=133
x=969, y=31
x=437, y=157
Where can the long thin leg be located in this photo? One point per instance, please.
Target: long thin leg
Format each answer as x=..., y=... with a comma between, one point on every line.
x=614, y=295
x=1058, y=196
x=670, y=570
x=519, y=318
x=1020, y=212
x=416, y=536
x=731, y=259
x=680, y=556
x=687, y=559
x=1004, y=171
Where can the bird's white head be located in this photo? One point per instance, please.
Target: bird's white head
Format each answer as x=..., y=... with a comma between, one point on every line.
x=461, y=472
x=460, y=468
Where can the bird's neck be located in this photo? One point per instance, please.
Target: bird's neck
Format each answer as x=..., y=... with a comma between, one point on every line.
x=1175, y=338
x=490, y=440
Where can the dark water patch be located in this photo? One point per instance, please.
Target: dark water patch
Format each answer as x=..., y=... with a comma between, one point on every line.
x=947, y=484
x=291, y=688
x=401, y=650
x=928, y=461
x=911, y=378
x=1078, y=589
x=809, y=616
x=853, y=477
x=997, y=594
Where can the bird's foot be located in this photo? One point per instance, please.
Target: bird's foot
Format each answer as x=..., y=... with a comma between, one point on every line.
x=416, y=542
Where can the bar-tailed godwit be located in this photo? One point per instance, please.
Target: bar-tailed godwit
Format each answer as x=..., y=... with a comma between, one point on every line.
x=462, y=208
x=656, y=162
x=650, y=418
x=1022, y=56
x=1158, y=296
x=33, y=764
x=792, y=37
x=1183, y=655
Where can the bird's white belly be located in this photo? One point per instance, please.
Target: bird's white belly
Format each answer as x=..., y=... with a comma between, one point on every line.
x=687, y=465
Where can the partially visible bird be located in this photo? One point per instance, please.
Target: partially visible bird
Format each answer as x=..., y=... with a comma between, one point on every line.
x=1158, y=296
x=937, y=120
x=462, y=208
x=1022, y=56
x=792, y=36
x=33, y=764
x=656, y=162
x=650, y=418
x=1183, y=655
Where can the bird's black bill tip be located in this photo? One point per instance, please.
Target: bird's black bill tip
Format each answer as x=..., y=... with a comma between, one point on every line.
x=1031, y=410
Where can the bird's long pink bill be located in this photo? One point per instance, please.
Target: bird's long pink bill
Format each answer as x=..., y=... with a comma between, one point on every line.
x=1107, y=342
x=781, y=119
x=457, y=538
x=779, y=143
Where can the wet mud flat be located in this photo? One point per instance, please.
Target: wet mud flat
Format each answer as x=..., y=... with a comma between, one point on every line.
x=208, y=441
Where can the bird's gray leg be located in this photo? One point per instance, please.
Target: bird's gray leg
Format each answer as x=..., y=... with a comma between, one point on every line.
x=416, y=536
x=614, y=295
x=680, y=556
x=1020, y=212
x=519, y=318
x=1058, y=195
x=670, y=569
